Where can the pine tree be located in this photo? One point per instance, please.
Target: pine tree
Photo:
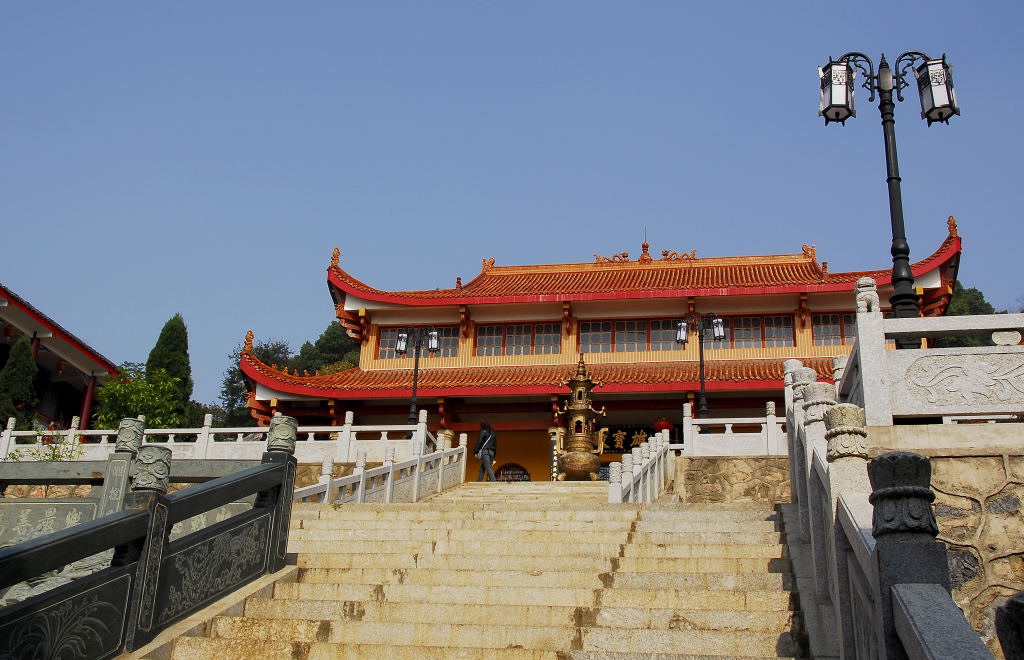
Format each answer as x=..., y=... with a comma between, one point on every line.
x=170, y=353
x=17, y=392
x=234, y=390
x=332, y=351
x=967, y=301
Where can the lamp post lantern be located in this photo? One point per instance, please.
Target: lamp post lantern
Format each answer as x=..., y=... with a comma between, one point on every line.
x=701, y=323
x=420, y=337
x=938, y=104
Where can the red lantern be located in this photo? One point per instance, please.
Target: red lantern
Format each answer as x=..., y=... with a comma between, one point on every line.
x=663, y=425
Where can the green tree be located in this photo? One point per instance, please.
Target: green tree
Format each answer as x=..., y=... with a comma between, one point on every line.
x=170, y=354
x=138, y=391
x=234, y=389
x=17, y=393
x=967, y=301
x=332, y=351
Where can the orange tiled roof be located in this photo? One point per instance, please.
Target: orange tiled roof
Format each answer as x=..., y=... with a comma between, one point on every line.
x=648, y=376
x=618, y=277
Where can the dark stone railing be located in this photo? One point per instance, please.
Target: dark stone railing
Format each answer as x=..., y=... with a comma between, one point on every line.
x=150, y=582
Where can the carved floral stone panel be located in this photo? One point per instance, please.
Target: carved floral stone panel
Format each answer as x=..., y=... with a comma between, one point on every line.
x=967, y=380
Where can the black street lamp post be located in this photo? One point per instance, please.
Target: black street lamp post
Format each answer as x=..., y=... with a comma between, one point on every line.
x=938, y=104
x=700, y=323
x=419, y=336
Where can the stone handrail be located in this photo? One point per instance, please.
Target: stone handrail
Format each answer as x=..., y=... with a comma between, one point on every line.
x=768, y=440
x=643, y=474
x=112, y=584
x=404, y=481
x=933, y=382
x=879, y=574
x=314, y=444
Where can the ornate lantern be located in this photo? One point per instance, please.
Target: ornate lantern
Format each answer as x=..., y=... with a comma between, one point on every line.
x=836, y=102
x=401, y=343
x=682, y=332
x=935, y=85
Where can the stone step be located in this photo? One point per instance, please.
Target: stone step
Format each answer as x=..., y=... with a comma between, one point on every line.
x=452, y=561
x=684, y=525
x=526, y=615
x=472, y=547
x=405, y=593
x=470, y=575
x=710, y=515
x=490, y=635
x=494, y=535
x=711, y=642
x=477, y=513
x=614, y=655
x=706, y=550
x=397, y=633
x=709, y=564
x=553, y=525
x=204, y=648
x=700, y=599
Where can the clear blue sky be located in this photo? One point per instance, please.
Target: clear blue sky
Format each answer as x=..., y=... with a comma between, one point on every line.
x=206, y=157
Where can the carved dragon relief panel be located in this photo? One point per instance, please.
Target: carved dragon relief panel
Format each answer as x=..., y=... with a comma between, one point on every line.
x=967, y=381
x=215, y=566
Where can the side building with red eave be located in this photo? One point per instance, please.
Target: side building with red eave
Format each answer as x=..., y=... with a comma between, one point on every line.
x=510, y=334
x=69, y=369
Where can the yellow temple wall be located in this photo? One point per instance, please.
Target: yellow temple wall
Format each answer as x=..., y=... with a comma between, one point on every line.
x=530, y=449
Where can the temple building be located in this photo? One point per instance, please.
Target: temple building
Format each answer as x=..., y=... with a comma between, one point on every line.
x=511, y=334
x=69, y=369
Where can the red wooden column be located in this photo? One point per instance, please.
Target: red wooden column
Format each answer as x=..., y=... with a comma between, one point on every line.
x=36, y=342
x=87, y=399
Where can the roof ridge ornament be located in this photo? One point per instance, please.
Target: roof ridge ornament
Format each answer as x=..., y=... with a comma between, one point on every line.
x=486, y=264
x=335, y=256
x=810, y=251
x=645, y=255
x=619, y=258
x=247, y=346
x=951, y=223
x=672, y=255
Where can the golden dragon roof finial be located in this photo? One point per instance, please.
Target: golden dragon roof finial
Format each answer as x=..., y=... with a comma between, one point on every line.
x=951, y=223
x=247, y=346
x=335, y=256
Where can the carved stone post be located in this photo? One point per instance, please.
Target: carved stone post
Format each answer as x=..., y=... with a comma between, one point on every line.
x=838, y=369
x=800, y=468
x=280, y=451
x=817, y=398
x=389, y=461
x=204, y=437
x=847, y=454
x=5, y=441
x=687, y=431
x=638, y=469
x=615, y=483
x=446, y=436
x=464, y=444
x=359, y=470
x=627, y=479
x=906, y=551
x=344, y=443
x=119, y=466
x=645, y=460
x=150, y=476
x=1010, y=626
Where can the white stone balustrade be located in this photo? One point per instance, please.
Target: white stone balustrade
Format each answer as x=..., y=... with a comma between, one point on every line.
x=701, y=436
x=314, y=444
x=644, y=473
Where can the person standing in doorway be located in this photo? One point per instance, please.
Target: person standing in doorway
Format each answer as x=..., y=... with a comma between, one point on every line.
x=486, y=448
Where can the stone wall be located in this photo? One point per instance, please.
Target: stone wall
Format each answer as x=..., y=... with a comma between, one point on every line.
x=978, y=479
x=712, y=479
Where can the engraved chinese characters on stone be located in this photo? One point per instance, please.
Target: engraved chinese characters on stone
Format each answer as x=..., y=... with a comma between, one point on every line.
x=967, y=379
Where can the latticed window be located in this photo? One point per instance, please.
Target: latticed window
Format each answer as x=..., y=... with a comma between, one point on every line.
x=595, y=337
x=447, y=342
x=630, y=336
x=518, y=339
x=663, y=335
x=833, y=329
x=746, y=332
x=388, y=339
x=778, y=331
x=488, y=339
x=547, y=338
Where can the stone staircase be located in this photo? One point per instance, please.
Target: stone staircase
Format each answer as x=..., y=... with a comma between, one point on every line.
x=511, y=571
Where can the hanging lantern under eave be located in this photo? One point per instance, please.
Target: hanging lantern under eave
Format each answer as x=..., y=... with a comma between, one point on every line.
x=935, y=85
x=836, y=103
